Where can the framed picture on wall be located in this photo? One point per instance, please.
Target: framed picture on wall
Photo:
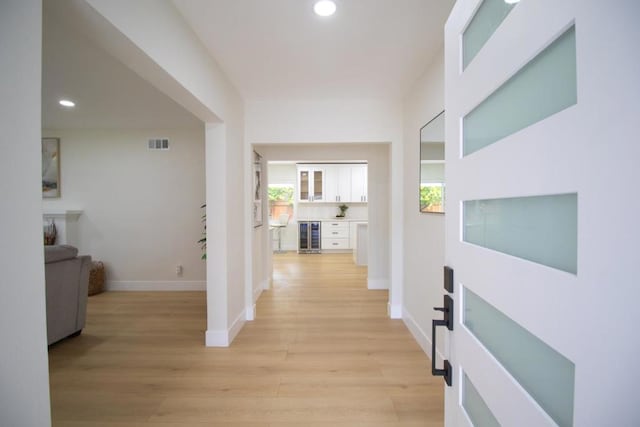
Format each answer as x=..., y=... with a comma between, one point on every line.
x=50, y=167
x=257, y=213
x=257, y=190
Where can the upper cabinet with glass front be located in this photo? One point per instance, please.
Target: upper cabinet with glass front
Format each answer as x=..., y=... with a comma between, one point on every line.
x=310, y=183
x=432, y=166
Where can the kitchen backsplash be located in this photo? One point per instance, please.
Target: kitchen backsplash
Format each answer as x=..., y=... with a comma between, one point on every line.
x=330, y=210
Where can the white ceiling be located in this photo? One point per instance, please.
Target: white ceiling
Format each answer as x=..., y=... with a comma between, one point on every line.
x=108, y=94
x=281, y=49
x=268, y=48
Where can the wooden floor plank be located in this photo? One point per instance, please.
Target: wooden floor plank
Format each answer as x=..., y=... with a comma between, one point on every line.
x=321, y=352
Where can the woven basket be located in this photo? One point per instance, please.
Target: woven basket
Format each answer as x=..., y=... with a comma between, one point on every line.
x=96, y=278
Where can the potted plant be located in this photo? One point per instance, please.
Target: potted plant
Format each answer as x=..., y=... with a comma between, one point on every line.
x=343, y=211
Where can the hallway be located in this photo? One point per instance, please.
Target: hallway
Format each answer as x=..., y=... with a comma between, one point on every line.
x=322, y=352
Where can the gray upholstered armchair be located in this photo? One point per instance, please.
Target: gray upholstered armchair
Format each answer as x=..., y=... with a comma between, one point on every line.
x=67, y=280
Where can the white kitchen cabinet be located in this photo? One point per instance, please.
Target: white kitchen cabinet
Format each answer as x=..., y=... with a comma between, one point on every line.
x=332, y=183
x=335, y=235
x=328, y=244
x=353, y=228
x=360, y=249
x=311, y=183
x=338, y=183
x=359, y=183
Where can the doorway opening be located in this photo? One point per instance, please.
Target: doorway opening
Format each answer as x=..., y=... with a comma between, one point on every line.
x=323, y=218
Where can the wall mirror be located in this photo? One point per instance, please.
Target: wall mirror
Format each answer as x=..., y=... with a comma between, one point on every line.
x=432, y=166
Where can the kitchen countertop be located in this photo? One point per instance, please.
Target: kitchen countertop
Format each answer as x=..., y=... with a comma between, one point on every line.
x=333, y=219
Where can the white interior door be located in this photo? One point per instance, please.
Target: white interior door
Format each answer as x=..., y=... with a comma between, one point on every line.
x=542, y=112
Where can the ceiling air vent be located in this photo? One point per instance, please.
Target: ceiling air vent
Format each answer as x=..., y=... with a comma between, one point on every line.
x=158, y=144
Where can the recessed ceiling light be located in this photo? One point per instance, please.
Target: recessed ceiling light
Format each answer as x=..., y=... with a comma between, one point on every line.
x=67, y=103
x=324, y=8
x=511, y=1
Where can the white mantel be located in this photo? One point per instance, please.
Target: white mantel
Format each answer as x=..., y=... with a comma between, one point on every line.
x=66, y=221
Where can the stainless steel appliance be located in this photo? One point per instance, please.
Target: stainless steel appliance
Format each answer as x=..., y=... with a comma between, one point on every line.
x=309, y=237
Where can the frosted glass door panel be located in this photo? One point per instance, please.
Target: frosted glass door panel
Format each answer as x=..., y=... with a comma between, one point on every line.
x=543, y=87
x=484, y=23
x=545, y=374
x=542, y=229
x=475, y=406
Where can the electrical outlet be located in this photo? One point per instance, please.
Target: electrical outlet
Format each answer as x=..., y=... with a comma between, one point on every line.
x=178, y=270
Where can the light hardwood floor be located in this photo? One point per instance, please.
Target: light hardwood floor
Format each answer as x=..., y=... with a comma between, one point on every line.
x=321, y=352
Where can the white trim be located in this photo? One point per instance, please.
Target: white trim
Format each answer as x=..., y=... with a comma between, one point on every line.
x=222, y=338
x=251, y=308
x=216, y=339
x=151, y=286
x=258, y=291
x=236, y=326
x=395, y=311
x=72, y=214
x=377, y=284
x=420, y=335
x=250, y=313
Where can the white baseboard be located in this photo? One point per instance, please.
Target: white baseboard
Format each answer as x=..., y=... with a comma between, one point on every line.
x=258, y=291
x=150, y=285
x=285, y=248
x=377, y=284
x=419, y=334
x=236, y=326
x=222, y=338
x=250, y=313
x=395, y=311
x=217, y=338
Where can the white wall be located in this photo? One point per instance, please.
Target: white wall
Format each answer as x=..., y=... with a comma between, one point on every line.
x=431, y=172
x=318, y=120
x=345, y=121
x=328, y=210
x=141, y=207
x=283, y=174
x=377, y=156
x=24, y=380
x=423, y=233
x=432, y=151
x=146, y=36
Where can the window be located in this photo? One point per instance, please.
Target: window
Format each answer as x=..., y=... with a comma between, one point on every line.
x=280, y=200
x=432, y=197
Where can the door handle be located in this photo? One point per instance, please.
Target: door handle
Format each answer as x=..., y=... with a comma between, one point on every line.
x=446, y=371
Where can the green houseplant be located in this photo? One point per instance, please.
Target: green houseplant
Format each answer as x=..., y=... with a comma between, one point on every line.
x=343, y=211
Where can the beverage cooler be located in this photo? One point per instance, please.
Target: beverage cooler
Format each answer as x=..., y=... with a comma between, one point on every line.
x=309, y=237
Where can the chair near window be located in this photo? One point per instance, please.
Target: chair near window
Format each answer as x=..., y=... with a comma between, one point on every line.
x=283, y=221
